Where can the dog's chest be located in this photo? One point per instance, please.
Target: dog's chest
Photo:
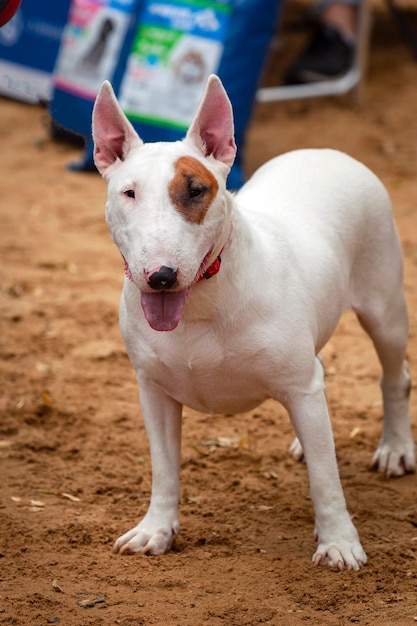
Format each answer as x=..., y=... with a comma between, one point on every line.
x=208, y=372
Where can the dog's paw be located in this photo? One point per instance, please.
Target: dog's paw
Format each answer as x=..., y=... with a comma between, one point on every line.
x=395, y=459
x=145, y=539
x=342, y=554
x=296, y=450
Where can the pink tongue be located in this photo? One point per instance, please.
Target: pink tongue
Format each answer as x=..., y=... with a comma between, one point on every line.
x=163, y=309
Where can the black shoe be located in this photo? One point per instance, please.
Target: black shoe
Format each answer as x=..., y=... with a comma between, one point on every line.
x=327, y=56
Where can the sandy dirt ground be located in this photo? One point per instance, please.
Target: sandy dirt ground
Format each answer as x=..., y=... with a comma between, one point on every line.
x=75, y=467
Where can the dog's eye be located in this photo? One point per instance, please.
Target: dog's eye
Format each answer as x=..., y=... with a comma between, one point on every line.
x=129, y=193
x=196, y=192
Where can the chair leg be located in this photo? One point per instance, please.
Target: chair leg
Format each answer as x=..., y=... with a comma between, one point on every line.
x=362, y=51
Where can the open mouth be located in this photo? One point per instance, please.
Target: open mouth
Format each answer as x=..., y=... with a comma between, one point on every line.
x=163, y=309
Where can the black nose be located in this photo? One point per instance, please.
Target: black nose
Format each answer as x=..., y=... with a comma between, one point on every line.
x=164, y=278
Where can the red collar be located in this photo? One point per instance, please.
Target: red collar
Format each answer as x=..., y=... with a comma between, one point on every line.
x=212, y=269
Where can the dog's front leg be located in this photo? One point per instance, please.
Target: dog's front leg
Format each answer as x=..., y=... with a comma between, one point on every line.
x=156, y=532
x=338, y=543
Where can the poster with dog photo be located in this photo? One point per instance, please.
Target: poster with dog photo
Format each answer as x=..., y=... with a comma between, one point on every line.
x=91, y=44
x=177, y=45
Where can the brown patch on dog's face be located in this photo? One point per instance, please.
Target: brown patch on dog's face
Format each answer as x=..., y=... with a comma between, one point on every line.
x=192, y=189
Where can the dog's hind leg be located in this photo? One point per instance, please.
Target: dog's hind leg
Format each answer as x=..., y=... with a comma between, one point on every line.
x=387, y=325
x=379, y=301
x=296, y=450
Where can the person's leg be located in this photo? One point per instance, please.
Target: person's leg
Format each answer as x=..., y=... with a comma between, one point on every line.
x=340, y=15
x=330, y=52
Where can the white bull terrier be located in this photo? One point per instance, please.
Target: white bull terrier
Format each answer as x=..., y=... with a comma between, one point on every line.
x=310, y=234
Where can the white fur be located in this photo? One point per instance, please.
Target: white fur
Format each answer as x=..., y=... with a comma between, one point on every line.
x=309, y=235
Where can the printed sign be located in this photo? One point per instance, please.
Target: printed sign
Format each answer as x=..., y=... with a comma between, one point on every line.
x=177, y=45
x=91, y=44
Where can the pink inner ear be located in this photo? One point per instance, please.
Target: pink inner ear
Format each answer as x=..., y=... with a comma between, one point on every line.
x=224, y=150
x=109, y=148
x=213, y=123
x=113, y=134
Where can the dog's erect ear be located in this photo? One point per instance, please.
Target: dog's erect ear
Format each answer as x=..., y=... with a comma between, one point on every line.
x=212, y=129
x=113, y=134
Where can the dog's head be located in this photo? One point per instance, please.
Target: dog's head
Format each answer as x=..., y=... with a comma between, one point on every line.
x=168, y=210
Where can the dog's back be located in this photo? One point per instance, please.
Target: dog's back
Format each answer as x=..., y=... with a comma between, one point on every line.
x=322, y=190
x=330, y=221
